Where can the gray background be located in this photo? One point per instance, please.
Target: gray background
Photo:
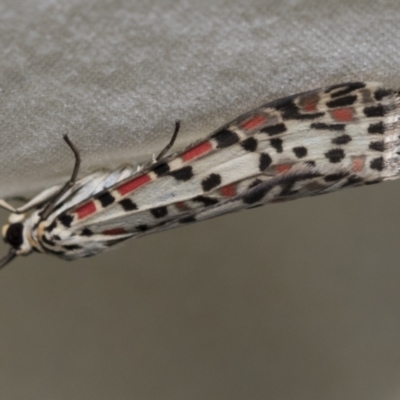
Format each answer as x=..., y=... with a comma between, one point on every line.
x=290, y=301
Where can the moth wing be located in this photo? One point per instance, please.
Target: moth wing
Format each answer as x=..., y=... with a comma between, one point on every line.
x=306, y=144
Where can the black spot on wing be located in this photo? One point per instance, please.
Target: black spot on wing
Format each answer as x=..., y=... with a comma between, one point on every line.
x=265, y=161
x=377, y=164
x=276, y=143
x=378, y=128
x=347, y=88
x=182, y=174
x=207, y=201
x=289, y=110
x=128, y=205
x=377, y=146
x=342, y=101
x=161, y=169
x=381, y=93
x=86, y=232
x=344, y=139
x=105, y=199
x=328, y=127
x=335, y=155
x=255, y=195
x=212, y=181
x=300, y=151
x=159, y=212
x=250, y=144
x=374, y=111
x=310, y=163
x=142, y=228
x=225, y=138
x=65, y=219
x=335, y=177
x=274, y=129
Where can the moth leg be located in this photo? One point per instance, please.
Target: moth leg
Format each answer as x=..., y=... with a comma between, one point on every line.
x=171, y=142
x=35, y=202
x=50, y=206
x=21, y=199
x=8, y=207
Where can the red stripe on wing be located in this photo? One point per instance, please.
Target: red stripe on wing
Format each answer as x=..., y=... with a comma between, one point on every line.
x=342, y=114
x=254, y=122
x=133, y=184
x=196, y=151
x=86, y=209
x=281, y=168
x=228, y=190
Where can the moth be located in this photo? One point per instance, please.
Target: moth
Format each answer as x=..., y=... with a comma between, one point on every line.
x=308, y=144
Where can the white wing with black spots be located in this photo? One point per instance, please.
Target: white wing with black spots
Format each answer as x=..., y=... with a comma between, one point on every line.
x=304, y=145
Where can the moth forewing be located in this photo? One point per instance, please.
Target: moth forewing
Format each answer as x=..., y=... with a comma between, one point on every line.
x=308, y=144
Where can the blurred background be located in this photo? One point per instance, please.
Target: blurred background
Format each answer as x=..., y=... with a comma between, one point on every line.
x=289, y=301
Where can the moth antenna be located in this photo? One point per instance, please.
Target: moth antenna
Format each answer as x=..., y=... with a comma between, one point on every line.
x=171, y=142
x=71, y=182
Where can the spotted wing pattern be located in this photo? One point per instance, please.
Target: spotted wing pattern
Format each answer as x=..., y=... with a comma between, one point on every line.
x=308, y=144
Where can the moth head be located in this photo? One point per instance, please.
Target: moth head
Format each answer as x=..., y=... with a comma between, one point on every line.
x=14, y=235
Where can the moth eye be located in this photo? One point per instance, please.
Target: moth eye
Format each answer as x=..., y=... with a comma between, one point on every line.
x=14, y=235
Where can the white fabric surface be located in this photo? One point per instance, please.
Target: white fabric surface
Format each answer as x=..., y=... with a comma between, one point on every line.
x=116, y=75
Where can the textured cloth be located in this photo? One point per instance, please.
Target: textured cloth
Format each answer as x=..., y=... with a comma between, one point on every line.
x=116, y=75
